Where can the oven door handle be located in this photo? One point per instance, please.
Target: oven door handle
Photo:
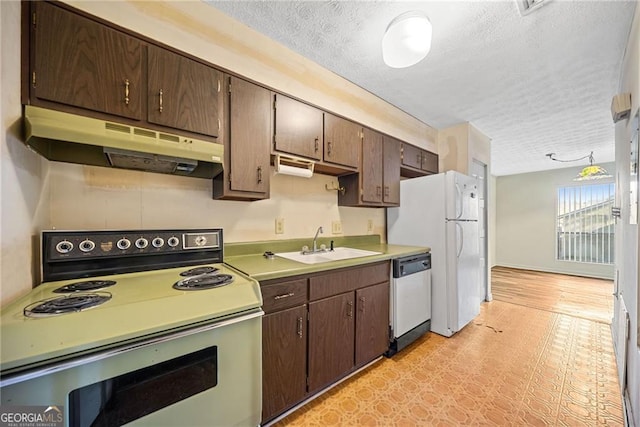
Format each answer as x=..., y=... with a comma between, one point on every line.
x=61, y=366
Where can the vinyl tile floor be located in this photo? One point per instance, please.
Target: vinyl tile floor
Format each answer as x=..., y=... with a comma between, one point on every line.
x=512, y=366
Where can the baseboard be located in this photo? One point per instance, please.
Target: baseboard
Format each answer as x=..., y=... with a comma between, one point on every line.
x=551, y=270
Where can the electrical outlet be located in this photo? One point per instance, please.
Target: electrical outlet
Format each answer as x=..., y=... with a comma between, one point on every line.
x=369, y=226
x=336, y=227
x=279, y=225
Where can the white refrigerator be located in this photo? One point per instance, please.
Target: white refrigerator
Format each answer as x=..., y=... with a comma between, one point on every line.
x=441, y=211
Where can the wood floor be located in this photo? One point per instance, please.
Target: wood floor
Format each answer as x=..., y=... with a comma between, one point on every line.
x=543, y=358
x=583, y=297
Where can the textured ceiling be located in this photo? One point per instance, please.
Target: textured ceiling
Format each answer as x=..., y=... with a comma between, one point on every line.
x=534, y=84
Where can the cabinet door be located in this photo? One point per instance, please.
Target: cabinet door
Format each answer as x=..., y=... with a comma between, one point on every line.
x=429, y=162
x=250, y=136
x=371, y=168
x=331, y=339
x=372, y=322
x=298, y=128
x=182, y=93
x=284, y=347
x=411, y=156
x=391, y=182
x=342, y=140
x=81, y=63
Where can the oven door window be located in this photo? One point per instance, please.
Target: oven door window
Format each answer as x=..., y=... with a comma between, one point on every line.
x=122, y=399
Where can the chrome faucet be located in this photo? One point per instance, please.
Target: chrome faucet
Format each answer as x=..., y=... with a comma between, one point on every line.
x=315, y=238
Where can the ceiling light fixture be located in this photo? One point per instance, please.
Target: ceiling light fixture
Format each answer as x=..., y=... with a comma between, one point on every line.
x=588, y=172
x=407, y=40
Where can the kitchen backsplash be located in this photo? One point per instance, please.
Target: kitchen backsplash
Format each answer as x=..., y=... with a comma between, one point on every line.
x=87, y=197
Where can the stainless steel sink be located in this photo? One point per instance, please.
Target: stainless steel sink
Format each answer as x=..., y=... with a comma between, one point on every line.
x=335, y=255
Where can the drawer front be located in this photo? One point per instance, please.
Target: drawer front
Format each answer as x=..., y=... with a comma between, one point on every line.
x=283, y=295
x=327, y=285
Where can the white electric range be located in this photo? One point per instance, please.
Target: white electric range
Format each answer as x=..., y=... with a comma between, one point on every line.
x=159, y=331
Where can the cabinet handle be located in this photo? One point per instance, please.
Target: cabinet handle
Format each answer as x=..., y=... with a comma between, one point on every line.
x=362, y=301
x=161, y=100
x=329, y=148
x=126, y=91
x=316, y=145
x=386, y=190
x=290, y=294
x=259, y=174
x=219, y=125
x=350, y=312
x=418, y=158
x=300, y=327
x=378, y=190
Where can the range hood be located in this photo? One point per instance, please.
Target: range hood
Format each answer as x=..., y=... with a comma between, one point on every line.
x=71, y=138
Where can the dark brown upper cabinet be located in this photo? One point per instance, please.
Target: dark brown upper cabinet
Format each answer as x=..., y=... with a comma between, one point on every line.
x=342, y=141
x=417, y=162
x=298, y=128
x=391, y=174
x=372, y=169
x=378, y=183
x=183, y=93
x=81, y=63
x=247, y=136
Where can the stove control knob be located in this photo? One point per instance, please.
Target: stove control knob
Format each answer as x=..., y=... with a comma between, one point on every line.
x=87, y=245
x=201, y=241
x=158, y=242
x=64, y=247
x=123, y=243
x=173, y=241
x=142, y=243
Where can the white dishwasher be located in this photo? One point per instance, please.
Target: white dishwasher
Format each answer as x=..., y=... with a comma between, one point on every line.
x=410, y=302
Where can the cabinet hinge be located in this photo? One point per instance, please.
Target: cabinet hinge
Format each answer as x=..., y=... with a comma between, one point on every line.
x=229, y=87
x=33, y=79
x=33, y=19
x=274, y=104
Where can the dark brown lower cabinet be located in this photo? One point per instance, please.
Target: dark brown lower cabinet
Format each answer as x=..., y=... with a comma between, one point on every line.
x=320, y=328
x=372, y=322
x=284, y=360
x=331, y=339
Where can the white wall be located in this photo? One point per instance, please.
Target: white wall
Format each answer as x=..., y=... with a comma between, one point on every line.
x=37, y=194
x=627, y=264
x=526, y=225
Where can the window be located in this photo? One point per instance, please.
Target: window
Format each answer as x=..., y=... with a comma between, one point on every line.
x=585, y=227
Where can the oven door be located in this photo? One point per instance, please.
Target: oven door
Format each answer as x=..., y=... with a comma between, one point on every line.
x=207, y=375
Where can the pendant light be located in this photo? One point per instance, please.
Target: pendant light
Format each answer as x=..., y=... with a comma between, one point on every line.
x=588, y=172
x=407, y=40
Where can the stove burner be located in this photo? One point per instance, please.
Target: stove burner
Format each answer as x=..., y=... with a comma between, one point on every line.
x=203, y=281
x=88, y=285
x=198, y=271
x=66, y=304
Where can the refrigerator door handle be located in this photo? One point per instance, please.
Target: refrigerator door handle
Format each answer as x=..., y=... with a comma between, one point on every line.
x=459, y=201
x=459, y=251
